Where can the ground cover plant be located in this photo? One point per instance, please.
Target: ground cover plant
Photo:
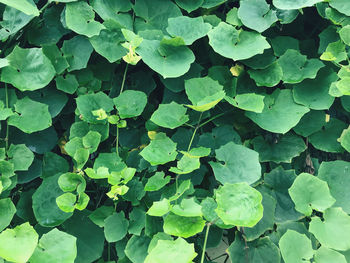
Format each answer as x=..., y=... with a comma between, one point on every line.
x=157, y=131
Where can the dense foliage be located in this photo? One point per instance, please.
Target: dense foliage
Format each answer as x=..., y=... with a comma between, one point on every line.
x=168, y=130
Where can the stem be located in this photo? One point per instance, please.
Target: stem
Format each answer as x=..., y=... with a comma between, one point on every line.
x=212, y=118
x=117, y=142
x=7, y=126
x=44, y=7
x=195, y=131
x=124, y=77
x=109, y=251
x=205, y=242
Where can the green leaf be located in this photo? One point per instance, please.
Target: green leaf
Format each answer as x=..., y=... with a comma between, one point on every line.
x=116, y=227
x=157, y=182
x=296, y=67
x=283, y=149
x=335, y=51
x=261, y=250
x=187, y=208
x=280, y=113
x=46, y=211
x=170, y=115
x=161, y=150
x=341, y=5
x=189, y=5
x=159, y=208
x=136, y=248
x=91, y=141
x=13, y=20
x=110, y=10
x=80, y=18
x=89, y=243
x=209, y=212
x=70, y=182
x=236, y=164
x=186, y=164
x=309, y=192
x=267, y=77
x=325, y=255
x=345, y=139
x=67, y=83
x=28, y=69
x=66, y=202
x=294, y=4
x=204, y=93
x=108, y=44
x=345, y=34
x=31, y=116
x=22, y=238
x=326, y=139
x=256, y=14
x=130, y=103
x=249, y=102
x=99, y=215
x=182, y=26
x=175, y=251
x=336, y=175
x=310, y=123
x=166, y=58
x=26, y=6
x=334, y=230
x=8, y=210
x=59, y=62
x=239, y=204
x=91, y=102
x=237, y=45
x=313, y=93
x=295, y=247
x=55, y=246
x=343, y=86
x=77, y=51
x=20, y=156
x=183, y=226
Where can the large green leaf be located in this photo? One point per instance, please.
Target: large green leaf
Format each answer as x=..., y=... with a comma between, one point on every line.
x=237, y=45
x=236, y=164
x=294, y=4
x=181, y=226
x=170, y=115
x=169, y=58
x=55, y=246
x=341, y=5
x=80, y=18
x=295, y=247
x=204, y=93
x=8, y=210
x=28, y=69
x=161, y=150
x=45, y=208
x=280, y=113
x=182, y=26
x=22, y=238
x=175, y=251
x=334, y=230
x=239, y=204
x=336, y=175
x=31, y=116
x=26, y=6
x=256, y=14
x=308, y=193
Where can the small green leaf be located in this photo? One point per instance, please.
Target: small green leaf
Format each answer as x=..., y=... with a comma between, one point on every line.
x=66, y=202
x=91, y=141
x=183, y=226
x=159, y=208
x=187, y=208
x=22, y=238
x=70, y=182
x=170, y=115
x=294, y=4
x=204, y=93
x=116, y=227
x=130, y=103
x=68, y=83
x=174, y=251
x=20, y=156
x=308, y=193
x=299, y=252
x=345, y=34
x=99, y=215
x=326, y=255
x=239, y=204
x=341, y=5
x=249, y=102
